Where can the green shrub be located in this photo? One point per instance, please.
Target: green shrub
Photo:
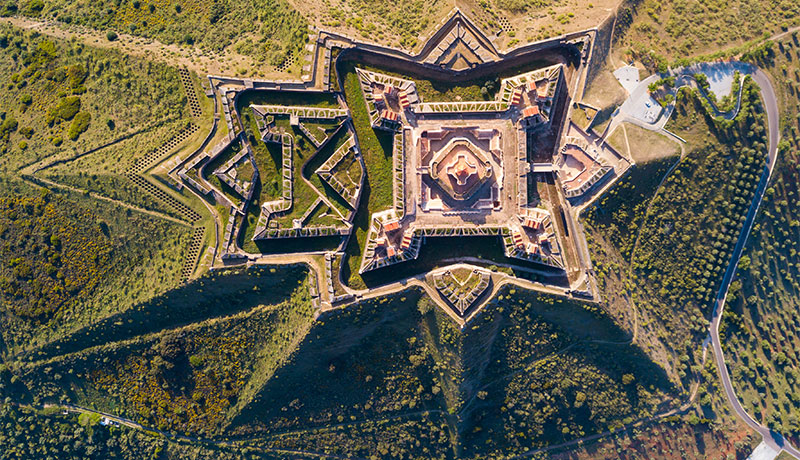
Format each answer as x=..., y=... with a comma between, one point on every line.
x=111, y=35
x=195, y=361
x=35, y=7
x=8, y=126
x=9, y=9
x=79, y=125
x=65, y=109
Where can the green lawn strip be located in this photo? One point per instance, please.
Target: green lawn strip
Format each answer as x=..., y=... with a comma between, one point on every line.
x=333, y=196
x=287, y=98
x=376, y=149
x=249, y=229
x=324, y=216
x=268, y=160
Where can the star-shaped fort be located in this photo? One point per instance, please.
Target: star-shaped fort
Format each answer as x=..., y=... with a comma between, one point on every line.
x=457, y=170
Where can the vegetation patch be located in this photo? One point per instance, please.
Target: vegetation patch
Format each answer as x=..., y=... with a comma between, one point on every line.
x=70, y=264
x=64, y=96
x=268, y=30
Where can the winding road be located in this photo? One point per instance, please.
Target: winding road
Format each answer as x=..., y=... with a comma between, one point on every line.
x=773, y=439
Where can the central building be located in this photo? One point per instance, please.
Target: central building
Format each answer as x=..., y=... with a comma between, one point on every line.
x=462, y=168
x=459, y=168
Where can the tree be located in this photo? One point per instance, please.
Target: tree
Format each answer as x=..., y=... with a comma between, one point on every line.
x=744, y=263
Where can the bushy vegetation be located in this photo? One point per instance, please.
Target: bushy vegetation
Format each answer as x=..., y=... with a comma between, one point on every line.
x=670, y=439
x=68, y=261
x=676, y=253
x=27, y=434
x=701, y=210
x=400, y=23
x=620, y=212
x=530, y=371
x=665, y=31
x=269, y=30
x=48, y=263
x=189, y=378
x=30, y=434
x=55, y=92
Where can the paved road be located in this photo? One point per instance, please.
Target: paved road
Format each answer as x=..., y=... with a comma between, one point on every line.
x=771, y=438
x=633, y=108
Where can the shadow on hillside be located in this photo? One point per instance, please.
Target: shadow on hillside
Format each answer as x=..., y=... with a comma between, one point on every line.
x=213, y=295
x=383, y=360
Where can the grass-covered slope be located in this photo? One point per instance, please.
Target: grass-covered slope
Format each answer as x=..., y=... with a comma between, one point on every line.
x=269, y=30
x=69, y=261
x=187, y=369
x=49, y=83
x=660, y=31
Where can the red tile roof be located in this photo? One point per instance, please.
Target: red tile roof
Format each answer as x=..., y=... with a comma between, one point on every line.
x=532, y=223
x=404, y=103
x=391, y=225
x=530, y=111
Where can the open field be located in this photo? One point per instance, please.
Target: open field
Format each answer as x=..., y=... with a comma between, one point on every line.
x=642, y=145
x=659, y=32
x=396, y=24
x=523, y=22
x=50, y=83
